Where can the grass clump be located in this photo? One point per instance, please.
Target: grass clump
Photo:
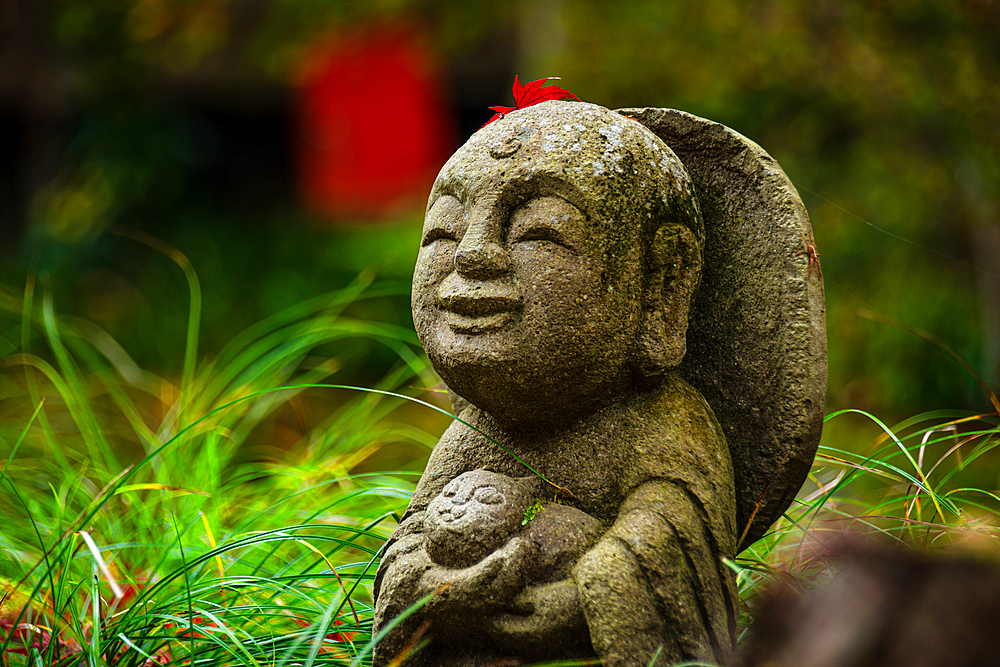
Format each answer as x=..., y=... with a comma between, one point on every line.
x=212, y=519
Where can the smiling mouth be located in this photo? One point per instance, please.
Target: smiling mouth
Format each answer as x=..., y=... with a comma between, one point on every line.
x=476, y=324
x=476, y=312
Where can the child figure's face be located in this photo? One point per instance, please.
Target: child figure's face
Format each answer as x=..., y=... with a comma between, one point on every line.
x=475, y=514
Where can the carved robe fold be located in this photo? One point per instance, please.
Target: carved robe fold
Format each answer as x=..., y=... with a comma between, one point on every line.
x=660, y=478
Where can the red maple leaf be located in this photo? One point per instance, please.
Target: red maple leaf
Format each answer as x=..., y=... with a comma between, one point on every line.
x=532, y=93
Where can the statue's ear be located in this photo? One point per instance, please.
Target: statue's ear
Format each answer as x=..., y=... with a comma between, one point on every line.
x=674, y=272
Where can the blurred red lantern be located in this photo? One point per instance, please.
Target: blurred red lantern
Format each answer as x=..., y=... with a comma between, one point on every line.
x=372, y=128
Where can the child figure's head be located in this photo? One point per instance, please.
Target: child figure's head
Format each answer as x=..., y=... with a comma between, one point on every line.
x=475, y=514
x=560, y=251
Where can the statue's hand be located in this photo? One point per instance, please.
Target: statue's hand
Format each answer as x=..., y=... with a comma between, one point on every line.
x=489, y=584
x=544, y=619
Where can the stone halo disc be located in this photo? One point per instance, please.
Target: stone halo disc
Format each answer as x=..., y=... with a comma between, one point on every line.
x=756, y=343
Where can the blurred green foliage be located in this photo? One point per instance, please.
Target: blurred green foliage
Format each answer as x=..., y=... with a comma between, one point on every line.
x=139, y=296
x=886, y=115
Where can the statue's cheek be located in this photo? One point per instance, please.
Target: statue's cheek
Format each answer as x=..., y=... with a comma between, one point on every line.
x=436, y=260
x=556, y=280
x=434, y=263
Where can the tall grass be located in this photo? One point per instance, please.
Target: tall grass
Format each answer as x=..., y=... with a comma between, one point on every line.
x=148, y=522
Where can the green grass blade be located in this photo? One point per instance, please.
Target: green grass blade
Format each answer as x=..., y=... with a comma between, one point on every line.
x=24, y=433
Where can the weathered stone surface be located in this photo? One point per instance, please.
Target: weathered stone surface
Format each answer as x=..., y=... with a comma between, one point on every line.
x=561, y=253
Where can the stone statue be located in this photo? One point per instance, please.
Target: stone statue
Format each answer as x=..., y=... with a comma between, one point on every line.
x=624, y=305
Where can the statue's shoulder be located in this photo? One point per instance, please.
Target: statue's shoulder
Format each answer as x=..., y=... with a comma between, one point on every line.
x=678, y=436
x=678, y=413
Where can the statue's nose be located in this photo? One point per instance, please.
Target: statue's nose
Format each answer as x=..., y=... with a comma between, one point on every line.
x=480, y=255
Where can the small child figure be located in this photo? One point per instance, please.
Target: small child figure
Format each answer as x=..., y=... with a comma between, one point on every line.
x=479, y=511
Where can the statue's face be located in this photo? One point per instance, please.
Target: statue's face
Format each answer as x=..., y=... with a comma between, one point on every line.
x=527, y=288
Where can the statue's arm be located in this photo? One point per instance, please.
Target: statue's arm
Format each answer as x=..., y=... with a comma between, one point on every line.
x=491, y=583
x=402, y=566
x=655, y=581
x=396, y=585
x=460, y=597
x=543, y=621
x=648, y=584
x=408, y=574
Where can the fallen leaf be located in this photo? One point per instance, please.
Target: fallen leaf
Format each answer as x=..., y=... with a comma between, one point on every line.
x=530, y=94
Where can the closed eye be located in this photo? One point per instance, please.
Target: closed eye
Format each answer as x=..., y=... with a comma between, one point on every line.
x=542, y=233
x=487, y=495
x=437, y=234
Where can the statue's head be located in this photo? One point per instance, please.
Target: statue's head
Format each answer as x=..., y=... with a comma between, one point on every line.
x=560, y=252
x=474, y=515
